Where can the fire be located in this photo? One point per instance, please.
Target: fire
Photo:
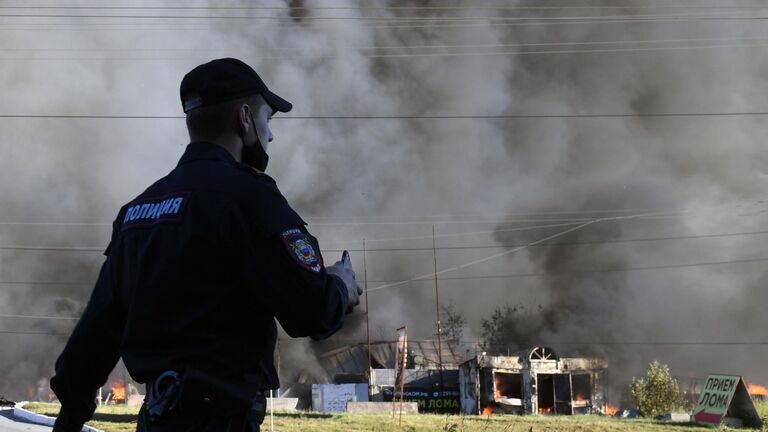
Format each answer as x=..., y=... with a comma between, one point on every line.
x=487, y=411
x=610, y=410
x=547, y=410
x=757, y=390
x=579, y=397
x=118, y=391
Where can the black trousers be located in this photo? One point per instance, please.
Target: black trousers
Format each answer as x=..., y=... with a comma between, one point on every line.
x=196, y=422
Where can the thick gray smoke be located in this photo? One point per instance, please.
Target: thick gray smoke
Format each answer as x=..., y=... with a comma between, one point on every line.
x=477, y=181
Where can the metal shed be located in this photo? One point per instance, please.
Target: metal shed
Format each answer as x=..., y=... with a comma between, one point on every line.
x=534, y=381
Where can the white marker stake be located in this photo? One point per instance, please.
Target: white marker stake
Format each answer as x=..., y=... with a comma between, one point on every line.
x=271, y=413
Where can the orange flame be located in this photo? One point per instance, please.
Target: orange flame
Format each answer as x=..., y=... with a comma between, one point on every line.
x=757, y=390
x=610, y=410
x=547, y=410
x=579, y=397
x=487, y=411
x=118, y=391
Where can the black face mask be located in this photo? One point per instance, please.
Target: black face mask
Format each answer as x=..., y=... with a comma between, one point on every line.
x=255, y=155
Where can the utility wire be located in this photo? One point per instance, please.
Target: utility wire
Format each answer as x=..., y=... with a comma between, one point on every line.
x=680, y=343
x=419, y=55
x=415, y=116
x=392, y=18
x=51, y=284
x=346, y=222
x=579, y=243
x=32, y=333
x=393, y=23
x=593, y=271
x=495, y=246
x=482, y=277
x=507, y=252
x=393, y=7
x=387, y=8
x=471, y=263
x=526, y=228
x=100, y=249
x=628, y=343
x=55, y=248
x=40, y=317
x=404, y=47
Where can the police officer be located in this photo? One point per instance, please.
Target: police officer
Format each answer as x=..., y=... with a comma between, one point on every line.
x=198, y=268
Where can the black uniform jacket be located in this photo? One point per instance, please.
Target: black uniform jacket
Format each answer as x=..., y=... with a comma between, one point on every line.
x=198, y=268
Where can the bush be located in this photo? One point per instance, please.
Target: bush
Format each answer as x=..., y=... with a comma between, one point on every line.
x=657, y=393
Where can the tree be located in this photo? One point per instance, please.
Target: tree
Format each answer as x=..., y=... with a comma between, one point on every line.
x=512, y=327
x=657, y=393
x=453, y=324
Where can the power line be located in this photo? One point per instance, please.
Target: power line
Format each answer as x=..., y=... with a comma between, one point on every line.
x=39, y=317
x=593, y=271
x=579, y=243
x=392, y=23
x=101, y=249
x=53, y=284
x=405, y=47
x=620, y=343
x=55, y=248
x=582, y=343
x=387, y=8
x=419, y=55
x=503, y=276
x=488, y=258
x=507, y=252
x=524, y=228
x=495, y=246
x=411, y=117
x=394, y=19
x=346, y=222
x=32, y=333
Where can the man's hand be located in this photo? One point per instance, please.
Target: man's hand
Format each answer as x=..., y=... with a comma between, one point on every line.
x=343, y=270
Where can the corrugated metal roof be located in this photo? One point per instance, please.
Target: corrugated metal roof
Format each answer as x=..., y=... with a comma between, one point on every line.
x=421, y=355
x=414, y=377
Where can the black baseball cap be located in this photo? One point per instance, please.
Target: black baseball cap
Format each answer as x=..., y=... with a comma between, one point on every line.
x=224, y=80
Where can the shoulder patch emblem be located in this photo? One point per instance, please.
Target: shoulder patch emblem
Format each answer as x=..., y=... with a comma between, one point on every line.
x=301, y=248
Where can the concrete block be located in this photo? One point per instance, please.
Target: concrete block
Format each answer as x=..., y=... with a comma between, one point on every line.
x=282, y=404
x=677, y=418
x=381, y=407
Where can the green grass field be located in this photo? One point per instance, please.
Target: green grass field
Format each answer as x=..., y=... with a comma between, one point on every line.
x=122, y=419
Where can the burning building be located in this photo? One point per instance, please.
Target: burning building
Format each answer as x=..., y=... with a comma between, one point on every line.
x=759, y=393
x=534, y=381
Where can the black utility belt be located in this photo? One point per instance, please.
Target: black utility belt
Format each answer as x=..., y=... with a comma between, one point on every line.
x=195, y=391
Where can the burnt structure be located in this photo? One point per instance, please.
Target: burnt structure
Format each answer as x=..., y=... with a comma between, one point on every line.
x=431, y=388
x=534, y=381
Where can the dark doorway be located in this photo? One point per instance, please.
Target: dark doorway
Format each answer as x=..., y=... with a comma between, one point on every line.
x=545, y=389
x=554, y=394
x=563, y=394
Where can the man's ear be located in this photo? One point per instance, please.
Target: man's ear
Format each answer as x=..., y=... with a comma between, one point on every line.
x=244, y=118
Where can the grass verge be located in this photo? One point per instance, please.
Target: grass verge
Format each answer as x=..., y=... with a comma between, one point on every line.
x=123, y=419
